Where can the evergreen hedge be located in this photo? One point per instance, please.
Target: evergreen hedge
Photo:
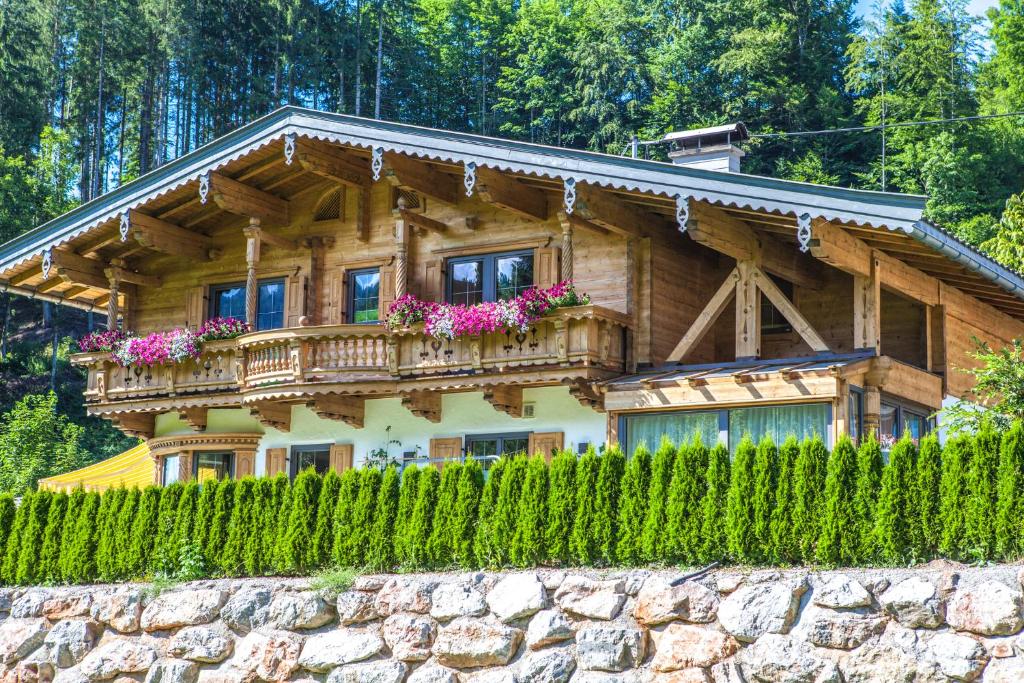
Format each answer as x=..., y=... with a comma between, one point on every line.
x=684, y=505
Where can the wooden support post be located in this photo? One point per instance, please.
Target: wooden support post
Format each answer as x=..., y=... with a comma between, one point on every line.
x=748, y=313
x=115, y=284
x=401, y=251
x=252, y=259
x=567, y=273
x=707, y=318
x=867, y=307
x=872, y=411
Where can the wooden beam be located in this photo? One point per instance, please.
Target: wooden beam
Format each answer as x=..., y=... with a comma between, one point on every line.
x=748, y=313
x=505, y=398
x=707, y=318
x=245, y=200
x=273, y=414
x=169, y=238
x=611, y=213
x=423, y=223
x=508, y=193
x=425, y=404
x=789, y=311
x=128, y=276
x=26, y=275
x=348, y=409
x=141, y=425
x=907, y=280
x=88, y=271
x=52, y=283
x=328, y=161
x=415, y=175
x=195, y=417
x=867, y=310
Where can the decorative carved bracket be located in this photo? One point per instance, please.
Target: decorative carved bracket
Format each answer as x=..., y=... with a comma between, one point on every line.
x=270, y=414
x=425, y=404
x=505, y=398
x=348, y=409
x=584, y=392
x=195, y=417
x=140, y=425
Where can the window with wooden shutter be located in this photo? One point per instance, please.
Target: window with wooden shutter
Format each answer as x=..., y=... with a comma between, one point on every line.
x=546, y=270
x=433, y=280
x=387, y=289
x=295, y=306
x=277, y=461
x=245, y=464
x=446, y=449
x=195, y=306
x=185, y=466
x=341, y=457
x=336, y=297
x=546, y=443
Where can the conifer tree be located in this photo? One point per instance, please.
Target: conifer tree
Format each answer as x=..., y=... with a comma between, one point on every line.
x=895, y=513
x=784, y=546
x=243, y=546
x=467, y=506
x=143, y=533
x=953, y=495
x=102, y=534
x=561, y=506
x=161, y=554
x=298, y=535
x=81, y=564
x=32, y=538
x=184, y=523
x=714, y=532
x=422, y=524
x=220, y=525
x=9, y=568
x=766, y=478
x=982, y=489
x=838, y=540
x=528, y=541
x=123, y=532
x=106, y=543
x=277, y=527
x=362, y=514
x=344, y=513
x=739, y=514
x=609, y=488
x=48, y=568
x=928, y=477
x=656, y=521
x=204, y=517
x=583, y=546
x=406, y=504
x=506, y=509
x=439, y=546
x=380, y=551
x=685, y=496
x=869, y=485
x=633, y=503
x=322, y=546
x=1009, y=493
x=808, y=494
x=7, y=513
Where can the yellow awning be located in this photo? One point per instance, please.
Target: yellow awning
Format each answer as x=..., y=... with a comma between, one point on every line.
x=134, y=467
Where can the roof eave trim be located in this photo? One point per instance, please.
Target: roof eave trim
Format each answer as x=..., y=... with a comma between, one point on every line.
x=972, y=260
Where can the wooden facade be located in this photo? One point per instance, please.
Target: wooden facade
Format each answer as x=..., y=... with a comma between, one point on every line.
x=698, y=302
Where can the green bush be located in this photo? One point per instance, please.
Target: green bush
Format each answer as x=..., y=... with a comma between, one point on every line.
x=7, y=513
x=927, y=480
x=48, y=562
x=609, y=488
x=277, y=522
x=869, y=482
x=406, y=504
x=362, y=514
x=243, y=548
x=318, y=555
x=421, y=526
x=123, y=532
x=980, y=531
x=106, y=542
x=953, y=493
x=162, y=554
x=765, y=481
x=561, y=506
x=739, y=514
x=217, y=538
x=838, y=538
x=204, y=516
x=654, y=538
x=32, y=538
x=714, y=543
x=181, y=533
x=633, y=503
x=1010, y=501
x=81, y=550
x=583, y=546
x=344, y=513
x=439, y=546
x=506, y=509
x=9, y=568
x=380, y=552
x=783, y=542
x=143, y=533
x=895, y=513
x=685, y=499
x=301, y=524
x=463, y=520
x=808, y=489
x=528, y=541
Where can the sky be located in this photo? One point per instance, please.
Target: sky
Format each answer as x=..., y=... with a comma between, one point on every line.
x=976, y=7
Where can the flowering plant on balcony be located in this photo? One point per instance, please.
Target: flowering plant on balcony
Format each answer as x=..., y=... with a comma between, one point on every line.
x=157, y=348
x=447, y=321
x=104, y=342
x=221, y=328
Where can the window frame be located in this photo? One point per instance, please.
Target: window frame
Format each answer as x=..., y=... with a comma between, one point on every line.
x=231, y=462
x=903, y=408
x=489, y=272
x=214, y=289
x=500, y=437
x=177, y=469
x=350, y=295
x=855, y=410
x=293, y=461
x=788, y=289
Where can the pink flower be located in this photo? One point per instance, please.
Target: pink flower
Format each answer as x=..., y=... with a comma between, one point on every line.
x=221, y=328
x=104, y=341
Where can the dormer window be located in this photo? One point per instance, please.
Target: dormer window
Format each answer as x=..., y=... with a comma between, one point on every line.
x=489, y=277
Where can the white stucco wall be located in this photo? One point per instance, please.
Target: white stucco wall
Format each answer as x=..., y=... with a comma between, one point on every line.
x=462, y=414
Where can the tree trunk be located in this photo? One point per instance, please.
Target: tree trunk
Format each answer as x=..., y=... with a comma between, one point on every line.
x=380, y=59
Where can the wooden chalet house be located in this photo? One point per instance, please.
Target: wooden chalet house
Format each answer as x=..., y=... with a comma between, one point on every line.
x=721, y=303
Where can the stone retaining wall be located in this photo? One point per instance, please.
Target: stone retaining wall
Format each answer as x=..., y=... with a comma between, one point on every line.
x=940, y=623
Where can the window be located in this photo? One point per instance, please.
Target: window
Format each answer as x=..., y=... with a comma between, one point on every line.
x=364, y=296
x=171, y=471
x=779, y=422
x=772, y=320
x=209, y=466
x=896, y=419
x=228, y=301
x=317, y=456
x=491, y=277
x=679, y=427
x=486, y=448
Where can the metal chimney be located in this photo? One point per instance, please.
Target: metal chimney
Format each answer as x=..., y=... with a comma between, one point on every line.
x=712, y=148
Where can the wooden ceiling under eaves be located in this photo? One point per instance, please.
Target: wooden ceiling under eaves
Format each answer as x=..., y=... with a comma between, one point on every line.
x=267, y=170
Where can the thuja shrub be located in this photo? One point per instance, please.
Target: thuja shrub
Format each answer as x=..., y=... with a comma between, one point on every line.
x=895, y=518
x=106, y=542
x=439, y=546
x=463, y=520
x=953, y=492
x=380, y=552
x=980, y=531
x=714, y=534
x=633, y=504
x=765, y=479
x=204, y=516
x=9, y=567
x=81, y=564
x=583, y=547
x=808, y=487
x=838, y=540
x=609, y=487
x=685, y=495
x=506, y=509
x=1009, y=499
x=421, y=526
x=739, y=512
x=561, y=506
x=243, y=536
x=76, y=502
x=869, y=479
x=143, y=531
x=783, y=542
x=166, y=515
x=528, y=541
x=362, y=514
x=406, y=504
x=48, y=569
x=653, y=541
x=319, y=553
x=32, y=538
x=344, y=514
x=301, y=524
x=216, y=540
x=123, y=532
x=927, y=482
x=8, y=511
x=277, y=523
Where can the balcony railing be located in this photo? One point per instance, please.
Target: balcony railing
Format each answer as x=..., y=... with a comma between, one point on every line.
x=330, y=353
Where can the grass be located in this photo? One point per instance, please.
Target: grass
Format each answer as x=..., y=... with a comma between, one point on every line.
x=334, y=579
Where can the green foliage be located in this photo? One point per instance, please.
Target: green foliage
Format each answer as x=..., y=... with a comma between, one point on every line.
x=636, y=484
x=838, y=539
x=81, y=550
x=561, y=506
x=439, y=547
x=422, y=524
x=406, y=504
x=9, y=567
x=334, y=580
x=656, y=521
x=979, y=531
x=609, y=488
x=685, y=498
x=380, y=553
x=181, y=530
x=869, y=480
x=463, y=520
x=298, y=536
x=163, y=554
x=583, y=546
x=243, y=547
x=7, y=513
x=32, y=538
x=204, y=517
x=506, y=509
x=927, y=484
x=322, y=546
x=998, y=384
x=48, y=561
x=895, y=515
x=36, y=442
x=143, y=532
x=783, y=541
x=275, y=504
x=739, y=513
x=765, y=480
x=1010, y=493
x=953, y=494
x=220, y=526
x=713, y=515
x=106, y=543
x=62, y=569
x=362, y=515
x=344, y=516
x=528, y=541
x=123, y=526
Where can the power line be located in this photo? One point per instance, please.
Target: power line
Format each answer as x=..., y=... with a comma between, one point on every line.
x=903, y=124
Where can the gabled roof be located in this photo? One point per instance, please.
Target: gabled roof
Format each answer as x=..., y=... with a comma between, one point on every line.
x=778, y=200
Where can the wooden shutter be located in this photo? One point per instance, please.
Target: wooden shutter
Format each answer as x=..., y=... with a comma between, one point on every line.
x=433, y=280
x=185, y=466
x=158, y=467
x=295, y=300
x=341, y=457
x=277, y=461
x=245, y=464
x=445, y=449
x=336, y=299
x=195, y=306
x=545, y=267
x=546, y=443
x=387, y=290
